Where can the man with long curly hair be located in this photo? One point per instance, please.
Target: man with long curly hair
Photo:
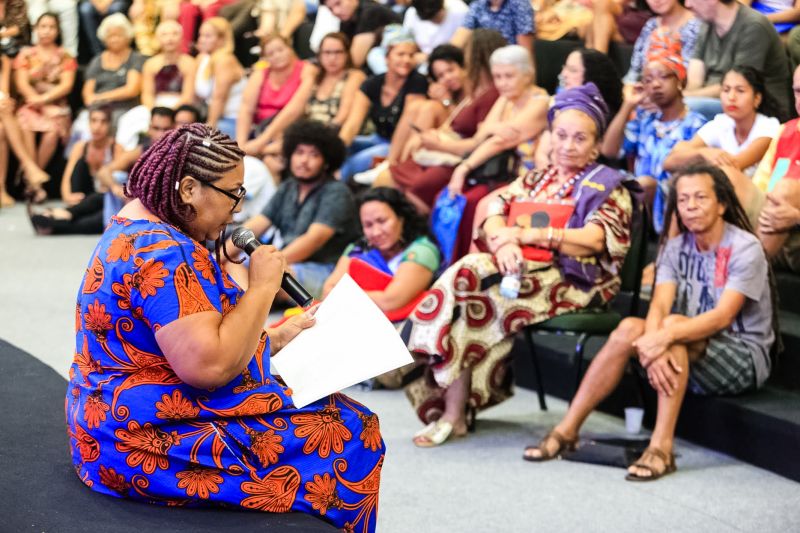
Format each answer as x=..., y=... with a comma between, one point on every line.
x=312, y=215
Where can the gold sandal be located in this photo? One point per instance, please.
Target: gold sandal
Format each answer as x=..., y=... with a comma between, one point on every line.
x=564, y=445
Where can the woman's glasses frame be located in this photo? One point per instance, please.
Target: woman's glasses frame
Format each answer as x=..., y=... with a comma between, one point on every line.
x=236, y=197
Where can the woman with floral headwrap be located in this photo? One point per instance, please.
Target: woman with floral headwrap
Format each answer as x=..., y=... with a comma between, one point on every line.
x=648, y=137
x=463, y=330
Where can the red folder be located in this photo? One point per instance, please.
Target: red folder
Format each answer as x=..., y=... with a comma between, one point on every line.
x=538, y=215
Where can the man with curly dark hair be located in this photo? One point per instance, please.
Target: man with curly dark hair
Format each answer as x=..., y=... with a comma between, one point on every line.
x=311, y=218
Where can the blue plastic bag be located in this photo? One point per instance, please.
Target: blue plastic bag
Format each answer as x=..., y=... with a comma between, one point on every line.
x=445, y=219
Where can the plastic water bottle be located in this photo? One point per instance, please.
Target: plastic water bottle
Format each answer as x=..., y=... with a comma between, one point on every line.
x=510, y=285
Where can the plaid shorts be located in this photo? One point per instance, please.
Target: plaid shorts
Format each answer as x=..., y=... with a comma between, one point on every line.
x=725, y=368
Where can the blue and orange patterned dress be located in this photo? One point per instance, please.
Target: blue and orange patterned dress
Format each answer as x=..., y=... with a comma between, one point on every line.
x=137, y=431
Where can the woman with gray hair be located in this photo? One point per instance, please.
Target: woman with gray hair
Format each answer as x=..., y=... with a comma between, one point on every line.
x=114, y=77
x=516, y=121
x=92, y=12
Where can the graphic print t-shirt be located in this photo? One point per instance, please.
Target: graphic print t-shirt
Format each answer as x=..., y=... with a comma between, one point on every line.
x=739, y=264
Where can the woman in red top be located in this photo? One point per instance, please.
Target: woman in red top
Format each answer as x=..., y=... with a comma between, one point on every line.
x=269, y=90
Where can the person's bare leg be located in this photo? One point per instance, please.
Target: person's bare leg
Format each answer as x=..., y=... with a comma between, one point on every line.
x=5, y=74
x=603, y=26
x=411, y=145
x=456, y=397
x=47, y=147
x=384, y=179
x=601, y=378
x=29, y=139
x=34, y=175
x=669, y=407
x=787, y=191
x=743, y=185
x=5, y=199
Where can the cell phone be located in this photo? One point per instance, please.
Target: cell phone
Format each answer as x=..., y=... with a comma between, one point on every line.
x=415, y=128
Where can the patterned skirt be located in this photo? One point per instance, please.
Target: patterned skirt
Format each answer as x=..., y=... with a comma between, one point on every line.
x=464, y=323
x=324, y=459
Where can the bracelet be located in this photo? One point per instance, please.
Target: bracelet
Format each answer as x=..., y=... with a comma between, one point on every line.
x=550, y=237
x=560, y=238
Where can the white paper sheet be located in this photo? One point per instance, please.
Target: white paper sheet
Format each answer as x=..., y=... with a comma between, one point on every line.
x=352, y=341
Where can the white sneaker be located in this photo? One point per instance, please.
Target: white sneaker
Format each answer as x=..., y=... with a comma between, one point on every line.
x=368, y=177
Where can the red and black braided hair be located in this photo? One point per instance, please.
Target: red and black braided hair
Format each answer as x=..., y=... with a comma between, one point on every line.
x=195, y=150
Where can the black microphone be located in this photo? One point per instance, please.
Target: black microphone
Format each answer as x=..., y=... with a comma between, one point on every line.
x=245, y=239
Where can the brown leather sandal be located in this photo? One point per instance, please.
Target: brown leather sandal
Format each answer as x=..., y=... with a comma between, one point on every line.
x=667, y=460
x=564, y=445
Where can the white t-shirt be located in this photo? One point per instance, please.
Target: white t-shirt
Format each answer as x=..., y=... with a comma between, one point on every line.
x=324, y=23
x=721, y=133
x=428, y=35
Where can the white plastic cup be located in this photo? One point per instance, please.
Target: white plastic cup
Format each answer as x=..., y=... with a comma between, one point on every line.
x=633, y=420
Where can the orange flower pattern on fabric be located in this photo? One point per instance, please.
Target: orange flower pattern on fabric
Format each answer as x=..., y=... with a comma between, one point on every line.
x=88, y=447
x=137, y=431
x=275, y=492
x=322, y=493
x=121, y=248
x=248, y=383
x=114, y=481
x=266, y=445
x=85, y=363
x=149, y=277
x=323, y=430
x=97, y=320
x=204, y=265
x=95, y=409
x=199, y=481
x=176, y=407
x=146, y=445
x=123, y=290
x=371, y=435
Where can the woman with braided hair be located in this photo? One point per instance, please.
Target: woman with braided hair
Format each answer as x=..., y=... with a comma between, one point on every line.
x=170, y=399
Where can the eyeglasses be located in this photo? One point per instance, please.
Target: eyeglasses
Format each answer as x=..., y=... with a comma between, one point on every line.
x=235, y=197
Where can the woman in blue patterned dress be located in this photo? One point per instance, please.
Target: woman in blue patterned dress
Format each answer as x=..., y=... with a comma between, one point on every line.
x=170, y=397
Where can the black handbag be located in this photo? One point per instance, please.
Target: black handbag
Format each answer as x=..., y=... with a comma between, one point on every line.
x=500, y=168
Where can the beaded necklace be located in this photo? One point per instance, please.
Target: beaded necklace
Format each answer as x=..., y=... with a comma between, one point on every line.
x=565, y=189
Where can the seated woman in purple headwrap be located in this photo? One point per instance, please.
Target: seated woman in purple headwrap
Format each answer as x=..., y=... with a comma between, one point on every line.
x=463, y=330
